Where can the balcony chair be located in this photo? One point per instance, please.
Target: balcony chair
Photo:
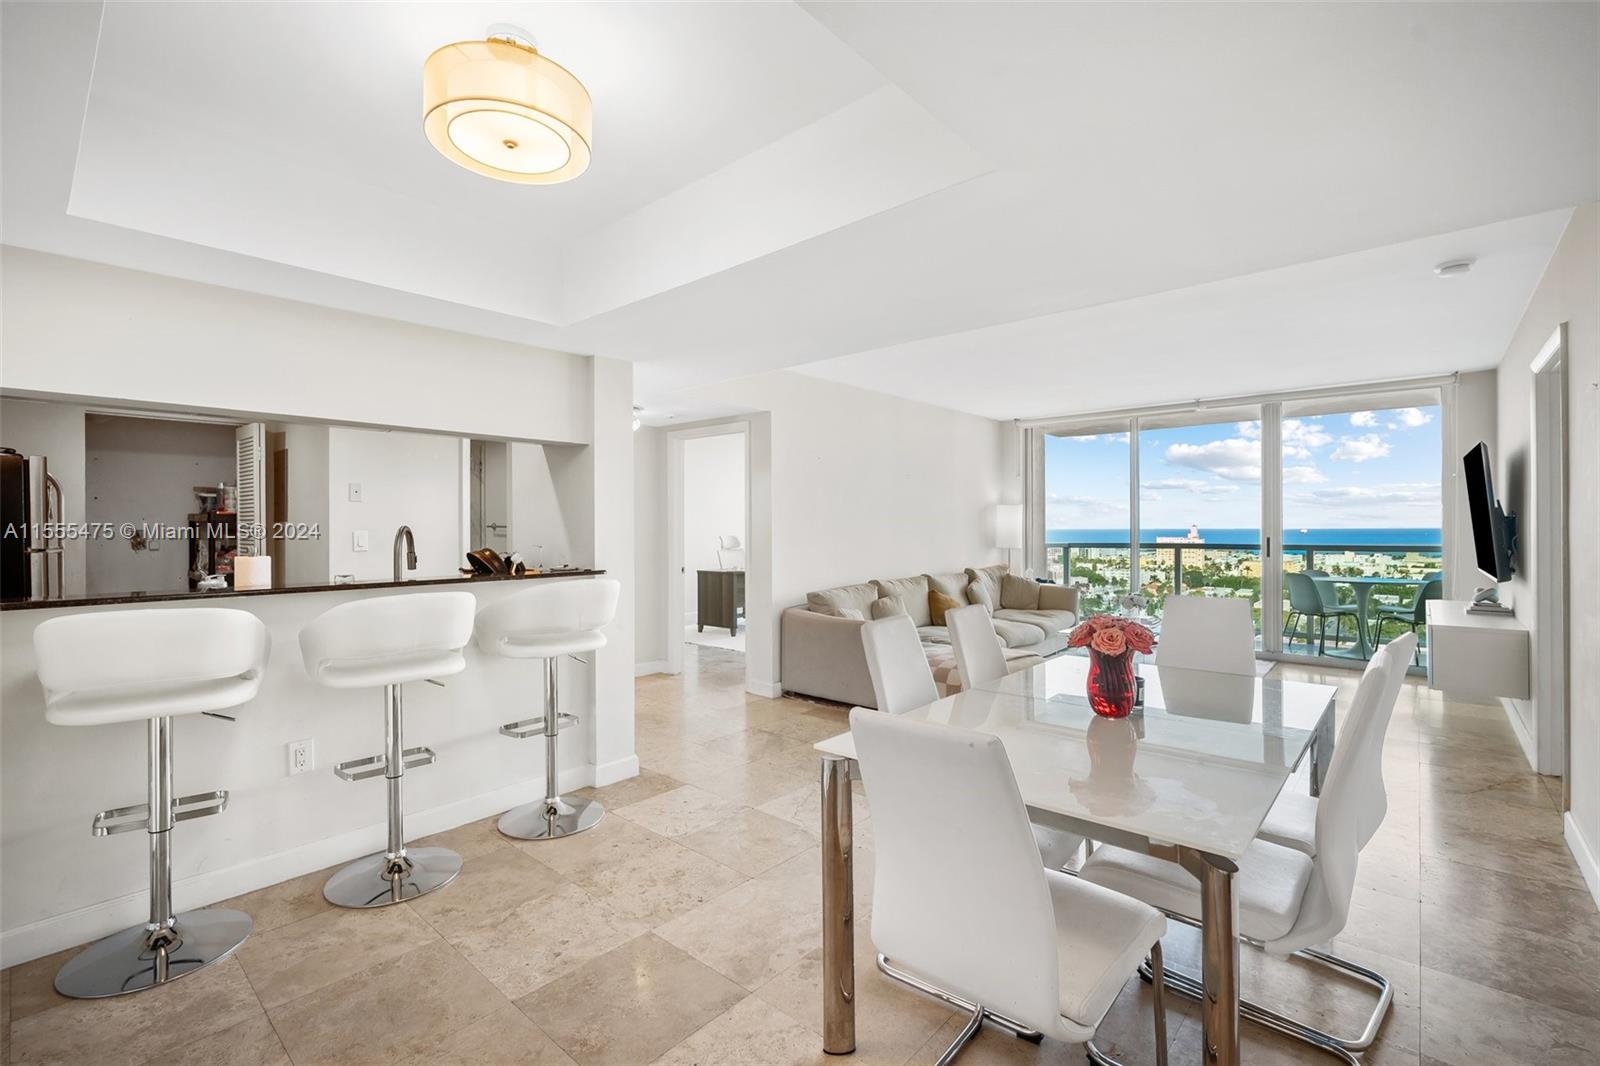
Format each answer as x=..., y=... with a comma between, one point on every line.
x=1414, y=614
x=1308, y=599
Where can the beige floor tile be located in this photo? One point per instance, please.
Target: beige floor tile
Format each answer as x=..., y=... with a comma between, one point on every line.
x=87, y=1032
x=470, y=840
x=995, y=1047
x=683, y=810
x=750, y=841
x=490, y=885
x=802, y=806
x=656, y=883
x=544, y=939
x=503, y=1037
x=291, y=961
x=387, y=1011
x=1381, y=922
x=1467, y=1024
x=748, y=745
x=1561, y=970
x=631, y=1004
x=1507, y=898
x=607, y=844
x=284, y=903
x=253, y=1042
x=620, y=794
x=31, y=985
x=753, y=1033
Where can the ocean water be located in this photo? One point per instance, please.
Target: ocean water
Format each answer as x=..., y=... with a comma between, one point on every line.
x=1384, y=537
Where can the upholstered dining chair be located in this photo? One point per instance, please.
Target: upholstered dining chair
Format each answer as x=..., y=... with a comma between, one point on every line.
x=901, y=678
x=1208, y=633
x=961, y=908
x=1292, y=822
x=1288, y=900
x=976, y=647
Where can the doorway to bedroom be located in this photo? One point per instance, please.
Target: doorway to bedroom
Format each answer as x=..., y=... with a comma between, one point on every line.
x=713, y=533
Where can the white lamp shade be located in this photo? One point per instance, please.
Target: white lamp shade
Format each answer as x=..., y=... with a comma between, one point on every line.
x=252, y=572
x=1009, y=529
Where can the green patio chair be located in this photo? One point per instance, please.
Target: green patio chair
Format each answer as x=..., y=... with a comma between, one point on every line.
x=1413, y=615
x=1307, y=601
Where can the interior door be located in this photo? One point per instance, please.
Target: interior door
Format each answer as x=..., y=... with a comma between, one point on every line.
x=250, y=452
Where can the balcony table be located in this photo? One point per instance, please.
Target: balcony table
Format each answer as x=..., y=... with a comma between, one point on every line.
x=1363, y=587
x=1190, y=778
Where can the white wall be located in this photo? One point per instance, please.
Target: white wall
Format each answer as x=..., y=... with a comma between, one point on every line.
x=407, y=479
x=306, y=558
x=74, y=328
x=713, y=505
x=144, y=470
x=649, y=544
x=543, y=522
x=1567, y=293
x=848, y=485
x=54, y=431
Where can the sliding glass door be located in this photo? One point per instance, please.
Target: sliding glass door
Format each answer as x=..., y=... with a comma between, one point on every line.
x=1086, y=513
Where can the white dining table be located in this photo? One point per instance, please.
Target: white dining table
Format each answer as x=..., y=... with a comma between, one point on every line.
x=1190, y=777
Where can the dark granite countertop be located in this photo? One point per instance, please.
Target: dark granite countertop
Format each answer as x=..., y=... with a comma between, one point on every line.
x=115, y=599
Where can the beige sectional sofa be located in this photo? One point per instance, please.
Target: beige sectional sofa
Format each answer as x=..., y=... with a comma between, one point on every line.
x=821, y=640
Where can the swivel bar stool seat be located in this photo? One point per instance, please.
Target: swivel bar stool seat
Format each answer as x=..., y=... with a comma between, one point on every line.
x=151, y=666
x=549, y=623
x=385, y=643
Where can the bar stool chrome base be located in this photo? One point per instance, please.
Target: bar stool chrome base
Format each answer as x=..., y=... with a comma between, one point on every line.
x=549, y=820
x=364, y=883
x=126, y=962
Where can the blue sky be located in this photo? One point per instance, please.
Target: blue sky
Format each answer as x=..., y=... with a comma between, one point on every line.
x=1359, y=469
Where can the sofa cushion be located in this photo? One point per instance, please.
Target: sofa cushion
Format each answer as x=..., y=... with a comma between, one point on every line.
x=939, y=603
x=853, y=613
x=951, y=584
x=989, y=578
x=1058, y=598
x=1019, y=593
x=1048, y=622
x=931, y=635
x=859, y=597
x=1018, y=634
x=978, y=593
x=913, y=592
x=888, y=607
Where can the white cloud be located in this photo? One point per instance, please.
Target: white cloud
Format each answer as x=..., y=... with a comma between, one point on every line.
x=1064, y=510
x=1413, y=493
x=1302, y=475
x=1191, y=484
x=1088, y=438
x=1305, y=434
x=1361, y=449
x=1235, y=458
x=1364, y=420
x=1409, y=418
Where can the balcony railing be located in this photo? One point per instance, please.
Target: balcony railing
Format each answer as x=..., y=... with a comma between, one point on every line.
x=1232, y=569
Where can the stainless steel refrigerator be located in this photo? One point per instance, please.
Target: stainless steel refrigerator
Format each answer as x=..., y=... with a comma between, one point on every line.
x=32, y=565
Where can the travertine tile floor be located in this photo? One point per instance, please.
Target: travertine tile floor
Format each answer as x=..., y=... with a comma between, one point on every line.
x=685, y=929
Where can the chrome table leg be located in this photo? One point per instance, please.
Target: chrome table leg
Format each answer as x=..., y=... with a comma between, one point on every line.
x=838, y=903
x=1321, y=751
x=1219, y=969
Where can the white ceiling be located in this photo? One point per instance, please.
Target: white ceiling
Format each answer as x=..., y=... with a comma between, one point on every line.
x=995, y=207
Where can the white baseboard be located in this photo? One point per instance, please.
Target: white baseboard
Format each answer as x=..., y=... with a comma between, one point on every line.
x=617, y=770
x=769, y=689
x=1588, y=864
x=90, y=923
x=654, y=666
x=1530, y=751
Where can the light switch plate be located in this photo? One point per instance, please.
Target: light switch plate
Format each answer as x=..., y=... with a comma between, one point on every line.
x=359, y=541
x=355, y=492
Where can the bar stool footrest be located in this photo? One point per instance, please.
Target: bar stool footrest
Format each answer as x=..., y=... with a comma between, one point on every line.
x=199, y=805
x=535, y=727
x=362, y=769
x=121, y=820
x=412, y=758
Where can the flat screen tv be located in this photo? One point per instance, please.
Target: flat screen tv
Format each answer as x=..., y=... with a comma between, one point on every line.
x=1494, y=533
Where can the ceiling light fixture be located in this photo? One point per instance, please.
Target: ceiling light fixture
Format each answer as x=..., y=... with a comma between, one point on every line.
x=500, y=109
x=1454, y=268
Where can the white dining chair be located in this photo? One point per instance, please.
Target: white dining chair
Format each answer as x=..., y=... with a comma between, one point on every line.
x=1208, y=633
x=1292, y=822
x=902, y=680
x=961, y=908
x=1288, y=901
x=979, y=657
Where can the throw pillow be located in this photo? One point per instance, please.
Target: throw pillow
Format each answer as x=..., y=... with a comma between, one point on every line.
x=854, y=613
x=1058, y=598
x=938, y=604
x=978, y=592
x=887, y=607
x=1018, y=593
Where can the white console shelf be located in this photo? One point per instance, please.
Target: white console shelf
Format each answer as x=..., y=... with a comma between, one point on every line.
x=1478, y=657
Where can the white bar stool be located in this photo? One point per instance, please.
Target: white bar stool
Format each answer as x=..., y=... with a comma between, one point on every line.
x=550, y=622
x=126, y=666
x=386, y=642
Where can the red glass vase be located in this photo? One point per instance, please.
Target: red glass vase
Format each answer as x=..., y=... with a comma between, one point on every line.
x=1111, y=684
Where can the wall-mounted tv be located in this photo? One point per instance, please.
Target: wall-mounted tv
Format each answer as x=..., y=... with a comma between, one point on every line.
x=1494, y=533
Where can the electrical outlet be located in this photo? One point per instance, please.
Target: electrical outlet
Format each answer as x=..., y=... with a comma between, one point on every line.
x=358, y=541
x=355, y=492
x=302, y=756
